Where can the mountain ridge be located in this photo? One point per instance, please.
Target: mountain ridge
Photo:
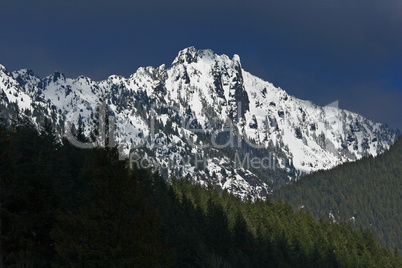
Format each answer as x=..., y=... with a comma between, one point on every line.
x=202, y=102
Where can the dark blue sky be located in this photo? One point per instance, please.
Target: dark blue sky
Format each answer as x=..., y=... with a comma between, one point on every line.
x=320, y=50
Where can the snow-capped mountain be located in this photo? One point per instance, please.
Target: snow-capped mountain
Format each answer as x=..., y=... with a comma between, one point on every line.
x=204, y=117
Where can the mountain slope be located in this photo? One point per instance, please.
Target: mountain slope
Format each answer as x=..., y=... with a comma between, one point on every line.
x=367, y=192
x=204, y=117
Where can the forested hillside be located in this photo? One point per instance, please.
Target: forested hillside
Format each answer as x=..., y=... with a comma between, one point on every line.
x=367, y=192
x=67, y=207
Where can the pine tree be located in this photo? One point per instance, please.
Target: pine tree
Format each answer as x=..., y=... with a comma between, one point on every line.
x=218, y=228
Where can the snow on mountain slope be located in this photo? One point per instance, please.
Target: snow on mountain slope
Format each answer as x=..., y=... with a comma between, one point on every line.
x=206, y=118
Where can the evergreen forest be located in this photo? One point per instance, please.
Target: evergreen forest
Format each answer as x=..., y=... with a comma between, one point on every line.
x=62, y=206
x=365, y=193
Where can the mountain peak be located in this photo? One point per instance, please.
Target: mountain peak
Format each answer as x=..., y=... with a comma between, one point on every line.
x=187, y=55
x=192, y=55
x=28, y=72
x=3, y=68
x=236, y=59
x=56, y=76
